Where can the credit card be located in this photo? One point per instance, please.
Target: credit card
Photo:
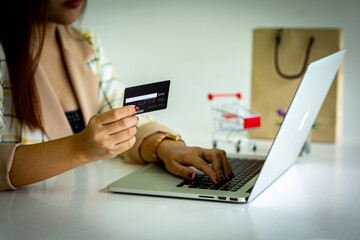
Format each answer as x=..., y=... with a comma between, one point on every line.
x=148, y=97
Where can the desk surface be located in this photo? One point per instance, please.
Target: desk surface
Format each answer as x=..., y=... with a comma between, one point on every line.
x=317, y=198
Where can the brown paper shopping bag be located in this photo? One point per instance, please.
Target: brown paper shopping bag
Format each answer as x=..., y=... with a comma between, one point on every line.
x=280, y=57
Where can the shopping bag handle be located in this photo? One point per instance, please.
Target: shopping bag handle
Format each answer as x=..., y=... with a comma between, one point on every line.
x=276, y=55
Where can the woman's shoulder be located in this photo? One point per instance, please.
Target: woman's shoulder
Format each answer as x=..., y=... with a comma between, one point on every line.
x=88, y=35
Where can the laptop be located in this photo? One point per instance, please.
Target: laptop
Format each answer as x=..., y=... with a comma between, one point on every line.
x=252, y=175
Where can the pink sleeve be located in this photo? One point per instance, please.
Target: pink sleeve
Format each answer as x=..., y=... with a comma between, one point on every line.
x=132, y=155
x=6, y=157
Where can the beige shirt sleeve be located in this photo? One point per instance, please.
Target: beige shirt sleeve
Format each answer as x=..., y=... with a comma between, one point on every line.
x=7, y=152
x=133, y=154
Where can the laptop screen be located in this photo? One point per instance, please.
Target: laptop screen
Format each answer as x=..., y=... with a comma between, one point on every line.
x=299, y=119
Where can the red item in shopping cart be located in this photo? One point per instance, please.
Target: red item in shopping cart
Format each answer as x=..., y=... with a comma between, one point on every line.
x=229, y=116
x=252, y=122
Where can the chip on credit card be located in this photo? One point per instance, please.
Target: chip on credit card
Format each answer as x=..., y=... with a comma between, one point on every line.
x=148, y=97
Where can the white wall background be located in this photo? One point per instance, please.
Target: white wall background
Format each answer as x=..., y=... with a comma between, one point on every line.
x=206, y=45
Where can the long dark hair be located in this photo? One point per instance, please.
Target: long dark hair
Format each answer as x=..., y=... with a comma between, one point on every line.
x=22, y=28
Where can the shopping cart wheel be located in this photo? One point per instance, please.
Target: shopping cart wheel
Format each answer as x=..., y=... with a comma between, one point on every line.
x=254, y=148
x=214, y=144
x=238, y=147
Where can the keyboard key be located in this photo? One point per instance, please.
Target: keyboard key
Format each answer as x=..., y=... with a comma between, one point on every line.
x=188, y=182
x=195, y=185
x=215, y=187
x=225, y=188
x=206, y=186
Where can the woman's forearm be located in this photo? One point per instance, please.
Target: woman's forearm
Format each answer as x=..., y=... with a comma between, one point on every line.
x=106, y=135
x=36, y=162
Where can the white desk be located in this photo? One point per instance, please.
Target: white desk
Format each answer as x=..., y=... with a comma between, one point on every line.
x=318, y=198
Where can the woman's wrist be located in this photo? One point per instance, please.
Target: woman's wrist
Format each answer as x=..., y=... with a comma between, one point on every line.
x=79, y=150
x=155, y=147
x=147, y=146
x=165, y=147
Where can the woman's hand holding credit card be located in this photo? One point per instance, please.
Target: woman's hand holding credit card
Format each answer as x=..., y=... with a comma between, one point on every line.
x=149, y=97
x=176, y=156
x=108, y=134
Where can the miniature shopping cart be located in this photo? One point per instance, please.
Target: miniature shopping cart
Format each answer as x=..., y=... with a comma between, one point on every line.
x=232, y=120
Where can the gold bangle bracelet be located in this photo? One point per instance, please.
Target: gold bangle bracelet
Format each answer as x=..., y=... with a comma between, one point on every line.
x=160, y=140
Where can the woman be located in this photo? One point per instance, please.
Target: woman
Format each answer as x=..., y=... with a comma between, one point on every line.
x=48, y=68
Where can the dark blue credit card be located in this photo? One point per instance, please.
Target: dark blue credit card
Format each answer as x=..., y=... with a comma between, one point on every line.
x=149, y=97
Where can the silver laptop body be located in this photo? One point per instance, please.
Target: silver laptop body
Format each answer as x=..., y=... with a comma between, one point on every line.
x=153, y=179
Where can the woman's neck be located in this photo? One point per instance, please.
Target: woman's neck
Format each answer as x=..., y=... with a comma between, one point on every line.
x=50, y=35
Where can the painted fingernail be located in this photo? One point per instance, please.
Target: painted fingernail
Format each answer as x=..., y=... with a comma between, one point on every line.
x=190, y=174
x=228, y=175
x=221, y=179
x=136, y=108
x=216, y=180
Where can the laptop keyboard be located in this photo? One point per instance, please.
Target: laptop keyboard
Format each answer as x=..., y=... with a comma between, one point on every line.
x=244, y=170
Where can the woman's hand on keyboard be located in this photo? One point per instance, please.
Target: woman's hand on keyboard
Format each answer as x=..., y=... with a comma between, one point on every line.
x=178, y=157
